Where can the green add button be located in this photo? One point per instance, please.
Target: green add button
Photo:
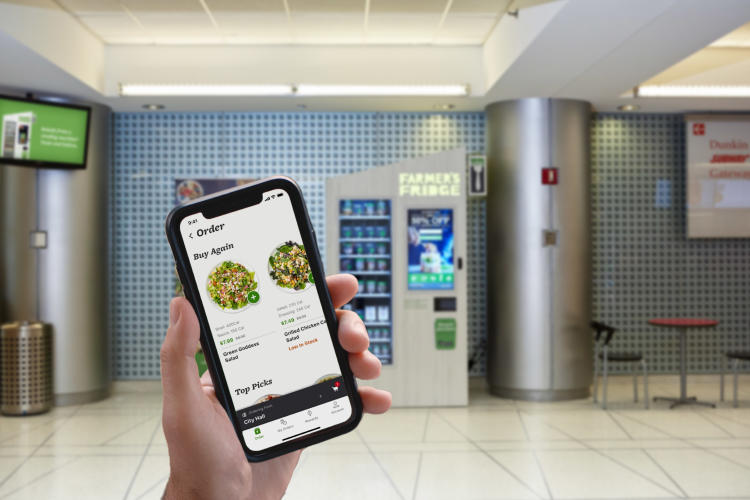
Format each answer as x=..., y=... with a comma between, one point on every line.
x=445, y=333
x=253, y=297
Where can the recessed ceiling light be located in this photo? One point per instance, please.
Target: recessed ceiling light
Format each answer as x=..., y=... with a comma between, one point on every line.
x=694, y=91
x=134, y=89
x=444, y=107
x=305, y=89
x=153, y=107
x=628, y=107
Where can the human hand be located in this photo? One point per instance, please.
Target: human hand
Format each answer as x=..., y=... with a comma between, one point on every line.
x=206, y=459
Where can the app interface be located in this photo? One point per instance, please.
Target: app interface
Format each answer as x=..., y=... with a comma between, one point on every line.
x=266, y=321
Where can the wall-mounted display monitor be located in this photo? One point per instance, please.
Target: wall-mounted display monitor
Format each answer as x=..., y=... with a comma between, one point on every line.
x=41, y=134
x=718, y=176
x=430, y=242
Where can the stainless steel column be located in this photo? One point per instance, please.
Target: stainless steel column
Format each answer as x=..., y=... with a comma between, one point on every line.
x=539, y=296
x=74, y=270
x=18, y=217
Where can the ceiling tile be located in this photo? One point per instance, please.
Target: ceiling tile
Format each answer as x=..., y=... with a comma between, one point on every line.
x=465, y=29
x=326, y=6
x=176, y=24
x=246, y=6
x=402, y=28
x=328, y=29
x=106, y=25
x=402, y=6
x=493, y=7
x=166, y=6
x=79, y=7
x=243, y=28
x=192, y=39
x=128, y=40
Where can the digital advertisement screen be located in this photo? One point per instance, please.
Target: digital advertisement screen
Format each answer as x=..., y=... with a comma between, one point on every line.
x=39, y=134
x=718, y=176
x=430, y=237
x=267, y=321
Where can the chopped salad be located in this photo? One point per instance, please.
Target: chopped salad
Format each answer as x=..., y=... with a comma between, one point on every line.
x=289, y=267
x=229, y=285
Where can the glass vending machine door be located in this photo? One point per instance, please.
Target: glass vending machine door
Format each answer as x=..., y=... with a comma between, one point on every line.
x=365, y=252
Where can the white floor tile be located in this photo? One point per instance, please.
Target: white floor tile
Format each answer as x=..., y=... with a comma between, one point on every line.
x=98, y=429
x=588, y=424
x=525, y=468
x=640, y=462
x=81, y=478
x=31, y=470
x=486, y=450
x=402, y=469
x=467, y=475
x=636, y=429
x=327, y=476
x=703, y=474
x=587, y=474
x=438, y=429
x=680, y=423
x=151, y=477
x=484, y=425
x=396, y=425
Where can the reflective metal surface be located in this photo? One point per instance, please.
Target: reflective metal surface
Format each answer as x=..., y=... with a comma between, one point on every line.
x=25, y=368
x=539, y=298
x=73, y=269
x=18, y=266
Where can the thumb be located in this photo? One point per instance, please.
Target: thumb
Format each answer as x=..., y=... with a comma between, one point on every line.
x=179, y=371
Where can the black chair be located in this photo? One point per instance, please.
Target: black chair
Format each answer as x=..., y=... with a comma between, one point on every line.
x=735, y=357
x=603, y=356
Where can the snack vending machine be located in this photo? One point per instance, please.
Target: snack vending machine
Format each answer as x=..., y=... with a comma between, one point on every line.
x=16, y=135
x=401, y=230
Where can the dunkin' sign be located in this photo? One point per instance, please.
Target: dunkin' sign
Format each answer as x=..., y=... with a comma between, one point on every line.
x=718, y=176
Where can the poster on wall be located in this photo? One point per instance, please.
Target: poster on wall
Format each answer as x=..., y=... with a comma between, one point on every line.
x=430, y=240
x=189, y=189
x=718, y=176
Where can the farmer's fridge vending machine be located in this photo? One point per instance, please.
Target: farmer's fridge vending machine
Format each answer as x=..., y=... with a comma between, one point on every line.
x=401, y=230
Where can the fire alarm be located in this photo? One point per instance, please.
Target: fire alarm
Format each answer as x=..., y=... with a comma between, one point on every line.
x=549, y=176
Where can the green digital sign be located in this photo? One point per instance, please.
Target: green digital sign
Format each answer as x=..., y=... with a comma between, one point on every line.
x=40, y=134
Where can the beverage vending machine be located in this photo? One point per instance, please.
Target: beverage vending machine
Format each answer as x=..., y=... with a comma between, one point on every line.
x=401, y=230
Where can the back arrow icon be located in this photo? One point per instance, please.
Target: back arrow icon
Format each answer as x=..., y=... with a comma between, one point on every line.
x=191, y=236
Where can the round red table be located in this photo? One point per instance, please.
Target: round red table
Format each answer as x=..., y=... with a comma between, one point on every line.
x=683, y=325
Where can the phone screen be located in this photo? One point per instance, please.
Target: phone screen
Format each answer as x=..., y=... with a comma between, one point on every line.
x=266, y=321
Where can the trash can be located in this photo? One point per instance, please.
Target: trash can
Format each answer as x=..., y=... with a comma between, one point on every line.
x=25, y=368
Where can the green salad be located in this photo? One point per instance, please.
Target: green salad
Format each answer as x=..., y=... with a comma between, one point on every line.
x=229, y=285
x=289, y=268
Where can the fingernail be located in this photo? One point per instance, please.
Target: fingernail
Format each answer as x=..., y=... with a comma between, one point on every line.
x=174, y=313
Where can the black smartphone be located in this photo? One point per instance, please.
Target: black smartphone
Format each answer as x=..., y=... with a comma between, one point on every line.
x=249, y=264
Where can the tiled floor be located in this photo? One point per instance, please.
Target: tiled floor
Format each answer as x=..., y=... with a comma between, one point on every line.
x=492, y=449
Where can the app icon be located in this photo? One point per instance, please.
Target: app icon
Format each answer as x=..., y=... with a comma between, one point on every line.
x=257, y=431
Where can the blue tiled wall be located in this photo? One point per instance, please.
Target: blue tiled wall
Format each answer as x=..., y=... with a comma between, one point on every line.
x=152, y=149
x=643, y=264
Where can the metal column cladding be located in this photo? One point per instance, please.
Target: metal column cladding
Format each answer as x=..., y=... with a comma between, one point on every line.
x=65, y=281
x=74, y=269
x=539, y=249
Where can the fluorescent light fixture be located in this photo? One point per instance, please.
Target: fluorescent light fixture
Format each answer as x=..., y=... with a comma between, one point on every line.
x=136, y=89
x=628, y=107
x=306, y=89
x=694, y=91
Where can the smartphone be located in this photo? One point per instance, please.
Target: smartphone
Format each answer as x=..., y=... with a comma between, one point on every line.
x=249, y=264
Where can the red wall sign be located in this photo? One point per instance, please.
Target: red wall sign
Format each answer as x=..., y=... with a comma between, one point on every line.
x=549, y=176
